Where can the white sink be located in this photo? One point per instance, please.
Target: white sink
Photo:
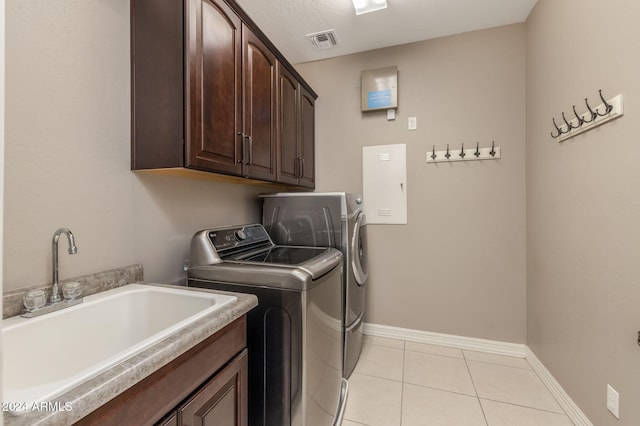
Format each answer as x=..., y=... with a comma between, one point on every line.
x=45, y=356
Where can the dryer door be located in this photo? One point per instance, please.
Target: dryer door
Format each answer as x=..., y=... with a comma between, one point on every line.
x=359, y=250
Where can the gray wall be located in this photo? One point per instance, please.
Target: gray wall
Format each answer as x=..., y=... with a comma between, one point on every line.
x=68, y=153
x=458, y=267
x=583, y=203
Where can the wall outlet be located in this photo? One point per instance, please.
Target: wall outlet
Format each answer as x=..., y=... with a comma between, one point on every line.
x=412, y=123
x=613, y=401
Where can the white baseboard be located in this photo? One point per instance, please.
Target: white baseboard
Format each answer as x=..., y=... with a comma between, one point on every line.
x=460, y=342
x=571, y=408
x=490, y=346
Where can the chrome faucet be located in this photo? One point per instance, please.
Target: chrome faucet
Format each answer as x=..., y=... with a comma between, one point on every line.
x=55, y=292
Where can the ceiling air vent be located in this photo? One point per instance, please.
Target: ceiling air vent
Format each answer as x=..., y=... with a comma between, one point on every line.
x=323, y=39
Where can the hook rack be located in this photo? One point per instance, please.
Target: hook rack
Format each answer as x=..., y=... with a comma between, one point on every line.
x=464, y=154
x=608, y=110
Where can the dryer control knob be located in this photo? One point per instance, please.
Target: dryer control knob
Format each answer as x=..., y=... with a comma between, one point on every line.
x=241, y=235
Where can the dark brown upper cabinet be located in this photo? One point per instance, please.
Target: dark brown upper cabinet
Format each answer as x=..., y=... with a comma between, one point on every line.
x=295, y=131
x=214, y=87
x=259, y=117
x=232, y=87
x=307, y=138
x=206, y=95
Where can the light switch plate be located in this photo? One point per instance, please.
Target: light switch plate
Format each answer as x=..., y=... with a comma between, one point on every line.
x=613, y=401
x=391, y=114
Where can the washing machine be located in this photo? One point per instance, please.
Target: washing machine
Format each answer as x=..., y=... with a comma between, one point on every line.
x=294, y=334
x=328, y=219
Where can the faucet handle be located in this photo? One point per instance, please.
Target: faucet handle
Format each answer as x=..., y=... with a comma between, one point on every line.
x=71, y=290
x=34, y=300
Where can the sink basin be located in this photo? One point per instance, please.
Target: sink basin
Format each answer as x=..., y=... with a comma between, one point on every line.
x=45, y=356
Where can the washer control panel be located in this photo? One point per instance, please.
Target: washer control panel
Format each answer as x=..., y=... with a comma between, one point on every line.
x=241, y=236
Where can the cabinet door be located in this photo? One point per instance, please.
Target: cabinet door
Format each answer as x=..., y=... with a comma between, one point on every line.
x=170, y=420
x=288, y=129
x=307, y=139
x=157, y=84
x=222, y=401
x=214, y=87
x=259, y=108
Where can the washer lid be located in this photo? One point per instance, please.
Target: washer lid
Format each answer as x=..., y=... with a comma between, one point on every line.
x=313, y=260
x=246, y=255
x=299, y=277
x=285, y=255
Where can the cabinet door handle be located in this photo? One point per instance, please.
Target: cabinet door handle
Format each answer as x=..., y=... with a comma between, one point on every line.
x=301, y=167
x=241, y=160
x=250, y=150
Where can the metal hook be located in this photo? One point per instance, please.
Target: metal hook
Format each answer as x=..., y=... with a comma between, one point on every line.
x=592, y=112
x=447, y=155
x=608, y=106
x=433, y=153
x=560, y=132
x=580, y=119
x=462, y=154
x=493, y=150
x=569, y=125
x=477, y=153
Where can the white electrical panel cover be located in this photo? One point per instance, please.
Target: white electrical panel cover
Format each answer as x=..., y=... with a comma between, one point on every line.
x=384, y=183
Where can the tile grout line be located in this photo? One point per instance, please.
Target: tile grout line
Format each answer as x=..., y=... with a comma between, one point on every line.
x=377, y=377
x=537, y=376
x=550, y=393
x=466, y=364
x=356, y=371
x=431, y=353
x=353, y=421
x=511, y=350
x=466, y=359
x=499, y=365
x=563, y=412
x=441, y=390
x=403, y=347
x=570, y=408
x=526, y=406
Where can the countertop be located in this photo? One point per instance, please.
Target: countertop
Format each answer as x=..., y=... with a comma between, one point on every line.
x=100, y=389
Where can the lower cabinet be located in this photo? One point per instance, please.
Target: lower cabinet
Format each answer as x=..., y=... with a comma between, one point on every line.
x=205, y=385
x=222, y=401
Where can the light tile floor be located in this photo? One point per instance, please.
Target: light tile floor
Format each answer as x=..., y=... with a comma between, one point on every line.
x=398, y=383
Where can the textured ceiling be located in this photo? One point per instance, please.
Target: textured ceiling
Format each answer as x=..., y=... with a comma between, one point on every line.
x=286, y=22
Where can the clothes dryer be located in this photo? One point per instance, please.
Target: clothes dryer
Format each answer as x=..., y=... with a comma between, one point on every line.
x=334, y=219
